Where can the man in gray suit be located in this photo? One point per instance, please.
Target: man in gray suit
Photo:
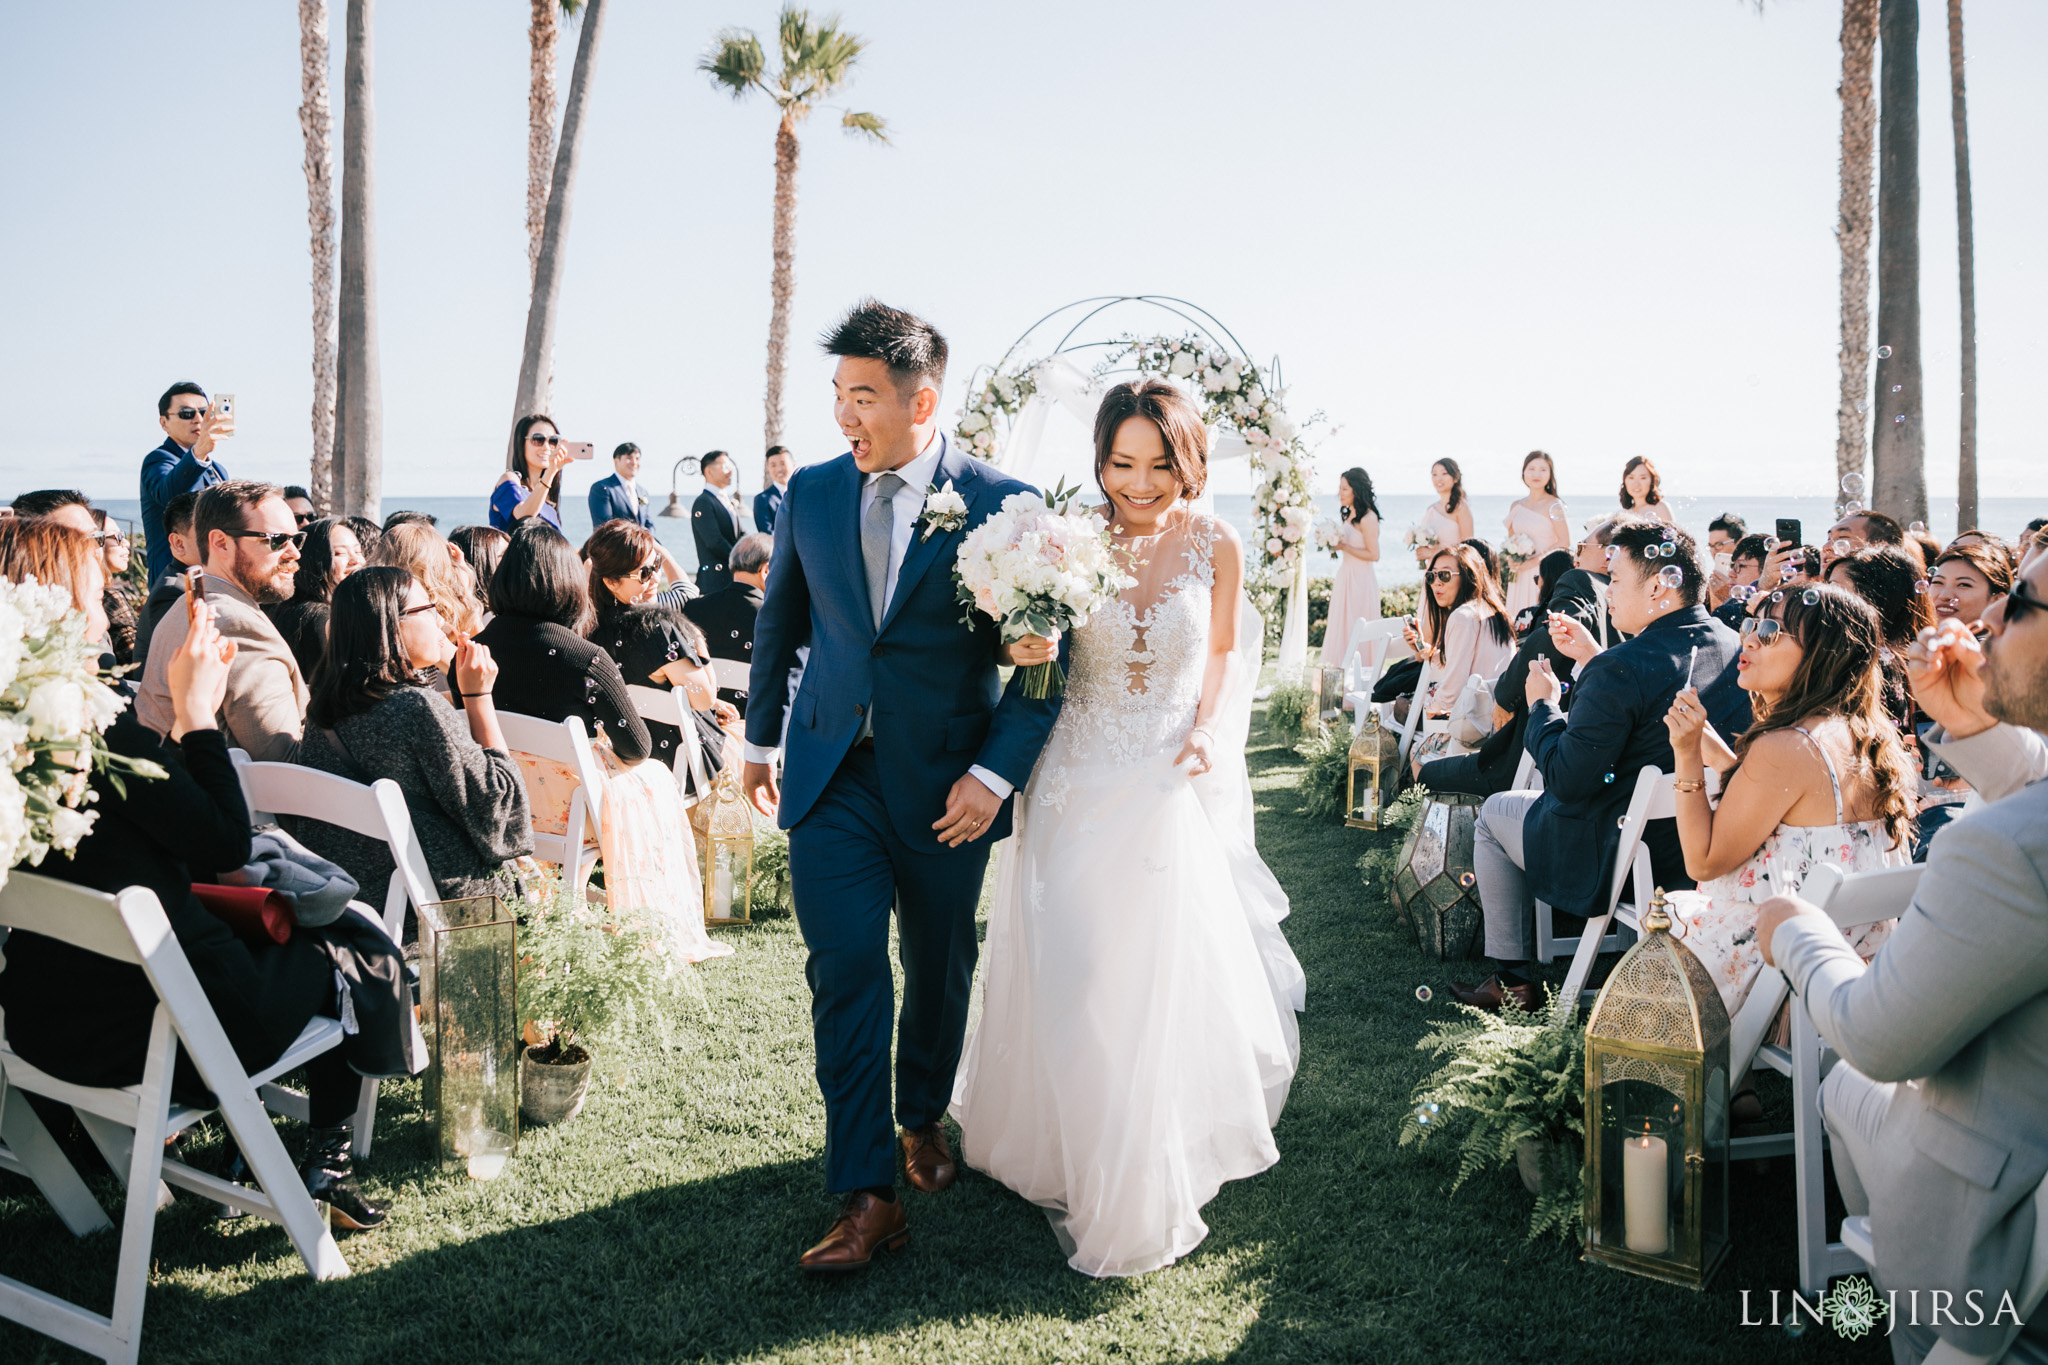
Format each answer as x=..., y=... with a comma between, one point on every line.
x=1939, y=1114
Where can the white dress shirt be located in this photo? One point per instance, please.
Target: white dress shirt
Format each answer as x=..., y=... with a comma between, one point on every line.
x=909, y=504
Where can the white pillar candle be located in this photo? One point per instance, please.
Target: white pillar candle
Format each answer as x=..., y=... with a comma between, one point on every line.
x=722, y=889
x=1644, y=1195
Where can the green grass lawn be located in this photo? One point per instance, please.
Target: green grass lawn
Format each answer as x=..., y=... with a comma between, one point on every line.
x=664, y=1224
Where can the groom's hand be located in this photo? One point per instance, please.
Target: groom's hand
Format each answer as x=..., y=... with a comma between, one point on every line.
x=970, y=809
x=1031, y=651
x=758, y=779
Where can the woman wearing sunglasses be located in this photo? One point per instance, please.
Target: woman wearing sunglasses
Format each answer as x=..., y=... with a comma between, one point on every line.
x=1464, y=627
x=530, y=488
x=1819, y=778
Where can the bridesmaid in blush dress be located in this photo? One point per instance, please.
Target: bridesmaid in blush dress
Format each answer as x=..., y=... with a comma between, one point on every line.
x=1541, y=517
x=1355, y=592
x=1448, y=520
x=1642, y=492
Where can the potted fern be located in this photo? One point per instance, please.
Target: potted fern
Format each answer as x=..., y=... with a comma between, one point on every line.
x=1515, y=1083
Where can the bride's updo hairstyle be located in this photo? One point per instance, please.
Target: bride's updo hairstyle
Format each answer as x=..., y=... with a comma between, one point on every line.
x=1180, y=427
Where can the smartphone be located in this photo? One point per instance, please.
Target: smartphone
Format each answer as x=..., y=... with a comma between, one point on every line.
x=579, y=450
x=195, y=592
x=1788, y=531
x=224, y=408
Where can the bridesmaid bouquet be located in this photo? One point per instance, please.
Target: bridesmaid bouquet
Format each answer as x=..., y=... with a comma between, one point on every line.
x=1039, y=566
x=1517, y=550
x=1420, y=538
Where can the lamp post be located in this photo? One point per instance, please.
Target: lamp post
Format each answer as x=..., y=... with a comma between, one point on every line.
x=675, y=506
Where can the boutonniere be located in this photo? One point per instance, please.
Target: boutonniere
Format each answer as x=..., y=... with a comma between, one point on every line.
x=944, y=510
x=640, y=498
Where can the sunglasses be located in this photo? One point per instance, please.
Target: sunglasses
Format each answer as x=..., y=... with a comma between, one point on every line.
x=536, y=439
x=2019, y=601
x=188, y=414
x=108, y=538
x=415, y=611
x=273, y=540
x=302, y=518
x=646, y=572
x=1441, y=576
x=1764, y=629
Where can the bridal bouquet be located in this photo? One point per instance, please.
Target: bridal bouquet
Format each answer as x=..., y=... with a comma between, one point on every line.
x=1419, y=538
x=1039, y=566
x=53, y=709
x=1515, y=551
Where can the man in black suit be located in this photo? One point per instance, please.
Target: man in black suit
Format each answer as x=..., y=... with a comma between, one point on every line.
x=1560, y=845
x=715, y=521
x=727, y=616
x=1583, y=591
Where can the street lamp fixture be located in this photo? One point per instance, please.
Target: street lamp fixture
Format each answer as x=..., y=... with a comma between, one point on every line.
x=686, y=465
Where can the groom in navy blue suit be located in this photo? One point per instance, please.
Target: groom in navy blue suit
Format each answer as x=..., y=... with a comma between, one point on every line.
x=902, y=751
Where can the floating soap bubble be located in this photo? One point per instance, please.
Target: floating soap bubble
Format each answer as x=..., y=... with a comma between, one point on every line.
x=1884, y=353
x=1842, y=547
x=1776, y=598
x=1793, y=1326
x=1853, y=485
x=1897, y=387
x=1917, y=527
x=1424, y=994
x=1608, y=779
x=1788, y=572
x=1621, y=822
x=1425, y=1114
x=1862, y=406
x=1900, y=418
x=1811, y=597
x=1672, y=577
x=1465, y=879
x=1920, y=587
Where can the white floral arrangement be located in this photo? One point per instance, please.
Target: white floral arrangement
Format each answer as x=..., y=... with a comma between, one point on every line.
x=945, y=511
x=1038, y=566
x=1517, y=550
x=986, y=418
x=1327, y=536
x=1419, y=538
x=54, y=708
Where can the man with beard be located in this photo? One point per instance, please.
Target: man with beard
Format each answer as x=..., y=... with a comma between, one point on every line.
x=1938, y=1108
x=248, y=543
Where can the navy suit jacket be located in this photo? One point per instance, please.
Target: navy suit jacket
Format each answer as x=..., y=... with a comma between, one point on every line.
x=166, y=472
x=929, y=675
x=1616, y=728
x=609, y=501
x=717, y=529
x=767, y=506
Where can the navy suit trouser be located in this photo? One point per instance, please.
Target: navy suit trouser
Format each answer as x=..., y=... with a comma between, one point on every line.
x=848, y=869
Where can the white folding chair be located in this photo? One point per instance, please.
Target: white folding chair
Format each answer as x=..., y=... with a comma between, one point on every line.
x=564, y=741
x=733, y=675
x=666, y=706
x=1366, y=656
x=1416, y=723
x=1529, y=778
x=1654, y=799
x=131, y=1123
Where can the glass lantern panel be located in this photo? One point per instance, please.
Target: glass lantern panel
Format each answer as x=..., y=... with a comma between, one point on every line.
x=1642, y=1157
x=1428, y=861
x=728, y=878
x=469, y=1010
x=1714, y=1184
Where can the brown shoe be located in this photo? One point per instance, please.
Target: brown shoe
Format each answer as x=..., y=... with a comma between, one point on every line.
x=927, y=1160
x=864, y=1226
x=1489, y=994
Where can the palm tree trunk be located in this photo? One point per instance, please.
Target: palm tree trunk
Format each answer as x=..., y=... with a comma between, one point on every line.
x=316, y=122
x=540, y=126
x=1898, y=453
x=1966, y=271
x=1852, y=228
x=536, y=361
x=782, y=283
x=359, y=434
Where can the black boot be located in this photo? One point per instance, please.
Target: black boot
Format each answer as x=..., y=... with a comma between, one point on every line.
x=329, y=1172
x=235, y=1170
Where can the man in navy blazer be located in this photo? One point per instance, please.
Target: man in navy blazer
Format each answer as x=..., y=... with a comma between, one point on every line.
x=715, y=522
x=1559, y=846
x=184, y=463
x=903, y=749
x=774, y=486
x=617, y=495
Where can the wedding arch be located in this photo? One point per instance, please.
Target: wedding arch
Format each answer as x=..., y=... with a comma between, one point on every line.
x=1032, y=414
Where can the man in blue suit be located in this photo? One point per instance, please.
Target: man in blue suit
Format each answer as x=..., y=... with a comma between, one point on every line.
x=774, y=485
x=1559, y=846
x=618, y=495
x=902, y=752
x=184, y=463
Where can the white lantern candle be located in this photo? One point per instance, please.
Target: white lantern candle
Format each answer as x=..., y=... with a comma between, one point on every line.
x=1645, y=1195
x=722, y=887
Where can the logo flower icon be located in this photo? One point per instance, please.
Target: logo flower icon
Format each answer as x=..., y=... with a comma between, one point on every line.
x=1853, y=1308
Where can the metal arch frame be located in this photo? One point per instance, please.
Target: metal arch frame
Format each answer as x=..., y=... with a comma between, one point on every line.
x=1211, y=327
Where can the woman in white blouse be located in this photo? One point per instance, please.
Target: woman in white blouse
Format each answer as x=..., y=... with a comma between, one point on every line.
x=1464, y=625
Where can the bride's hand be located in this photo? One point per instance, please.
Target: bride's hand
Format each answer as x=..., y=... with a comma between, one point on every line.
x=1198, y=752
x=1031, y=650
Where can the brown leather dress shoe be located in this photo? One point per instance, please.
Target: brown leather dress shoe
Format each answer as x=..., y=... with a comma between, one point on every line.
x=927, y=1160
x=1488, y=994
x=864, y=1226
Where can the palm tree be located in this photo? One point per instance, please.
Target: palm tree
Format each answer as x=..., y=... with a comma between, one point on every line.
x=817, y=59
x=359, y=399
x=316, y=122
x=540, y=119
x=1966, y=269
x=1898, y=453
x=1852, y=227
x=535, y=362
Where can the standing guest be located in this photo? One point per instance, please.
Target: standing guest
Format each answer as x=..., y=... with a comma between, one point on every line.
x=727, y=617
x=715, y=521
x=1448, y=520
x=373, y=716
x=1642, y=491
x=169, y=590
x=774, y=485
x=530, y=487
x=1540, y=516
x=123, y=619
x=1560, y=845
x=249, y=548
x=368, y=533
x=184, y=463
x=617, y=494
x=329, y=555
x=482, y=547
x=1737, y=583
x=301, y=503
x=1355, y=594
x=653, y=645
x=1465, y=627
x=439, y=566
x=1967, y=579
x=1857, y=530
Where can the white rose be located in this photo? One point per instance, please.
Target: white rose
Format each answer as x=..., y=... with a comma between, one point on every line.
x=1233, y=374
x=1256, y=394
x=56, y=710
x=1183, y=365
x=1274, y=545
x=974, y=421
x=1006, y=388
x=104, y=703
x=1281, y=465
x=1290, y=532
x=1212, y=381
x=1283, y=429
x=68, y=826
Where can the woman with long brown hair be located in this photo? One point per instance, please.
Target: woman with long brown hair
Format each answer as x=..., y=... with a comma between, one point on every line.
x=1540, y=517
x=1464, y=627
x=1446, y=521
x=1642, y=491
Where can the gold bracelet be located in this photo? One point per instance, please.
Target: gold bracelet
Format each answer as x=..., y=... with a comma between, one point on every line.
x=1680, y=784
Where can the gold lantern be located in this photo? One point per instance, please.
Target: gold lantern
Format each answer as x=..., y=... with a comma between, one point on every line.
x=1375, y=773
x=729, y=856
x=1657, y=1113
x=1329, y=696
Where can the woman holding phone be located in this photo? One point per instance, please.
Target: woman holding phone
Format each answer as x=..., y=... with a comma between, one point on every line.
x=529, y=488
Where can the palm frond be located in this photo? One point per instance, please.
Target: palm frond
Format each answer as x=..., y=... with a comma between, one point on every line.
x=735, y=61
x=869, y=125
x=571, y=8
x=817, y=54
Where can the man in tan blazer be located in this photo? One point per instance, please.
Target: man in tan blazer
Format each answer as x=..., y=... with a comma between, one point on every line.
x=1939, y=1112
x=248, y=543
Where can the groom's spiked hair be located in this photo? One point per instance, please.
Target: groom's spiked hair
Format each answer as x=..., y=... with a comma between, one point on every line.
x=911, y=347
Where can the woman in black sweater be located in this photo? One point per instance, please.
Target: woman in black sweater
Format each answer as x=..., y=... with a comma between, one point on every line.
x=330, y=554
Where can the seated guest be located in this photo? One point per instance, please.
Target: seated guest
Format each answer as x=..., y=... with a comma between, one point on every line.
x=1857, y=530
x=1819, y=779
x=482, y=547
x=56, y=555
x=250, y=549
x=368, y=533
x=373, y=715
x=1739, y=582
x=1889, y=579
x=1923, y=543
x=425, y=554
x=1936, y=1109
x=1582, y=592
x=727, y=616
x=65, y=505
x=653, y=645
x=1490, y=559
x=301, y=503
x=407, y=517
x=1966, y=579
x=1492, y=768
x=1560, y=845
x=119, y=595
x=1724, y=533
x=87, y=1019
x=329, y=555
x=1465, y=627
x=170, y=589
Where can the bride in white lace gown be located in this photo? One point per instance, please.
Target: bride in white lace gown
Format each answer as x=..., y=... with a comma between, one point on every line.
x=1137, y=1035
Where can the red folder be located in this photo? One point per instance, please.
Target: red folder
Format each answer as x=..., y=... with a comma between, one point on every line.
x=257, y=914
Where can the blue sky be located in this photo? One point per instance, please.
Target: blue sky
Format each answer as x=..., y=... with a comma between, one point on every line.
x=1468, y=229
